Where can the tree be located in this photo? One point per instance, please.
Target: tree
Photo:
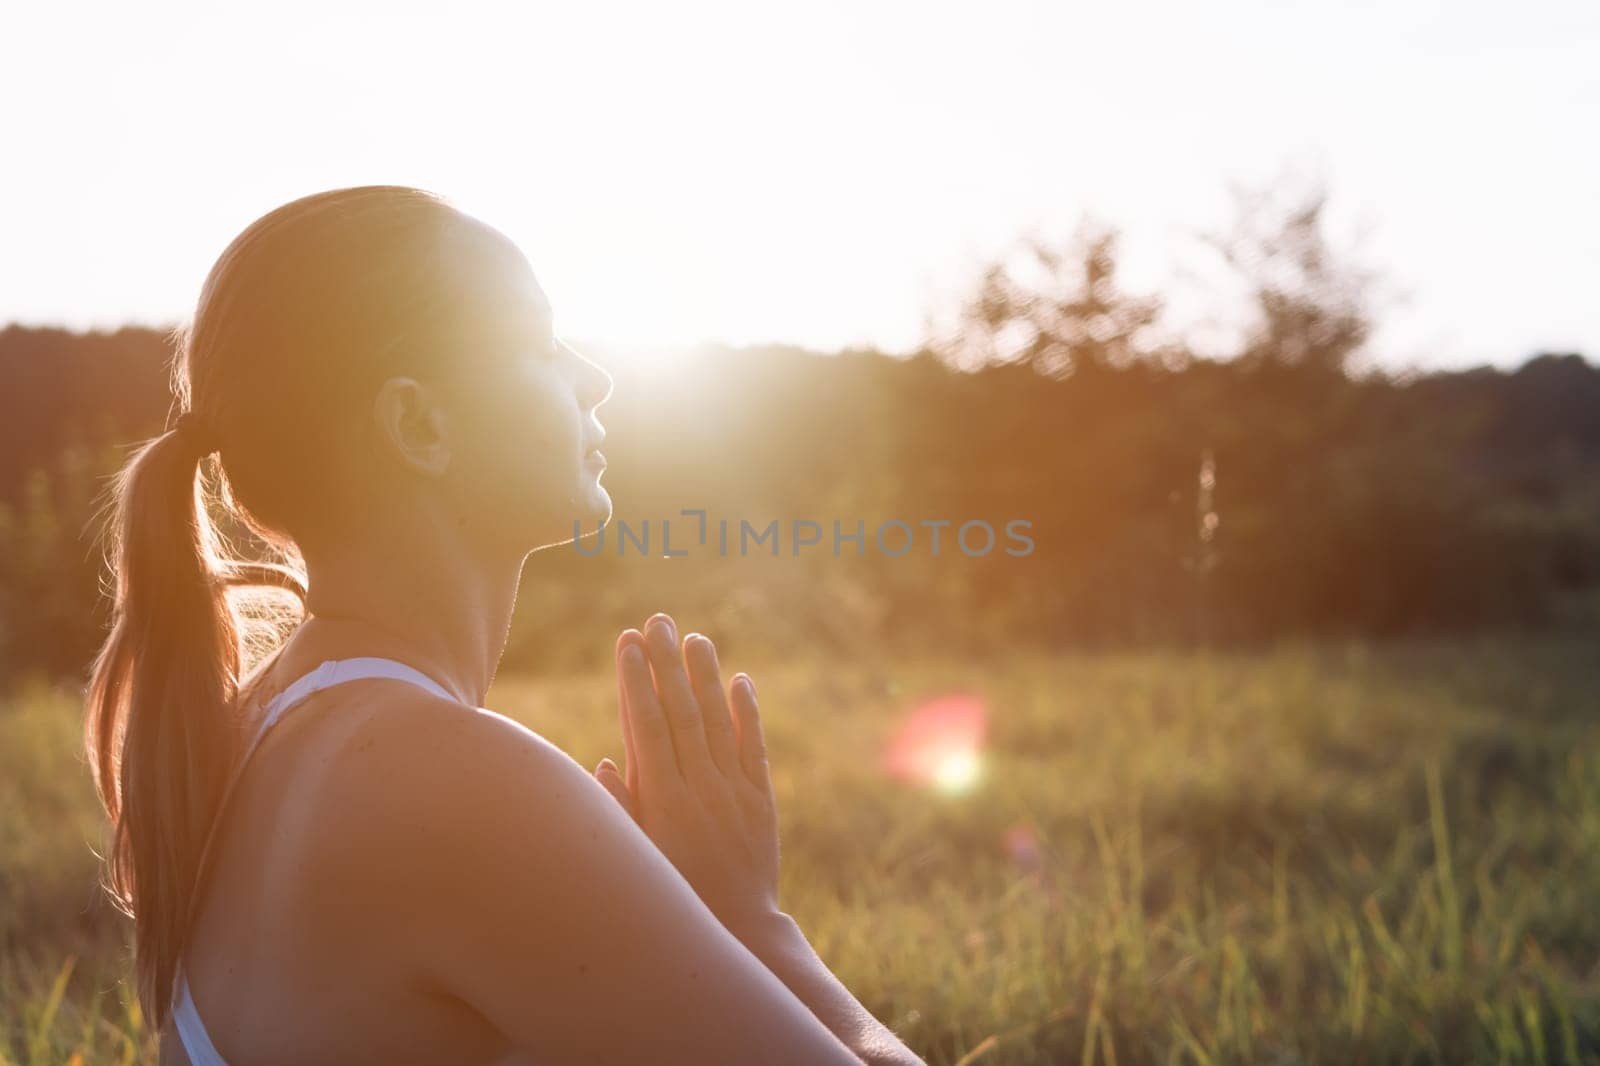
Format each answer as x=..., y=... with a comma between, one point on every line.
x=1057, y=308
x=1312, y=304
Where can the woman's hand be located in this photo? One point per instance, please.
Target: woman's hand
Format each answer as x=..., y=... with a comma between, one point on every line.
x=697, y=780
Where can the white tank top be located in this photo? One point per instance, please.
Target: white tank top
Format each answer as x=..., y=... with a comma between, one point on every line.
x=185, y=1018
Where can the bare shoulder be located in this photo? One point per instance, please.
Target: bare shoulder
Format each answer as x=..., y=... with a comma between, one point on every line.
x=430, y=806
x=429, y=798
x=517, y=884
x=415, y=762
x=413, y=723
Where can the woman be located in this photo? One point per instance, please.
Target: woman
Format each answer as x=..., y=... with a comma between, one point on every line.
x=337, y=856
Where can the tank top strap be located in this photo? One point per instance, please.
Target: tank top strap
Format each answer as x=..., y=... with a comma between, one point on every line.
x=337, y=672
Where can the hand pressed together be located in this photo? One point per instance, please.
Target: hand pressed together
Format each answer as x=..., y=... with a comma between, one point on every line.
x=697, y=780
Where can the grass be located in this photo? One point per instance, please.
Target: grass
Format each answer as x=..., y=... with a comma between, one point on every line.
x=1315, y=853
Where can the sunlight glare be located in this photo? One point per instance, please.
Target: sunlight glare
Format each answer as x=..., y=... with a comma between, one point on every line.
x=940, y=744
x=958, y=772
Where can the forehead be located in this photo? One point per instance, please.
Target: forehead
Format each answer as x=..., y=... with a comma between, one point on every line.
x=489, y=277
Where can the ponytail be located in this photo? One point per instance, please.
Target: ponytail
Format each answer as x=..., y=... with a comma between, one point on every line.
x=159, y=724
x=300, y=315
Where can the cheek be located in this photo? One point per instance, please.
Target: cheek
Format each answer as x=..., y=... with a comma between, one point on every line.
x=528, y=441
x=549, y=443
x=538, y=447
x=546, y=418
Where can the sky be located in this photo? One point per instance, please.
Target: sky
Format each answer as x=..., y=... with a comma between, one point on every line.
x=825, y=174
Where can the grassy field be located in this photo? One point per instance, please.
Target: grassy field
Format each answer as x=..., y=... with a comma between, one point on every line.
x=1317, y=853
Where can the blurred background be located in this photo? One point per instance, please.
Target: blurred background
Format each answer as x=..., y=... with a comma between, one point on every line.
x=1275, y=322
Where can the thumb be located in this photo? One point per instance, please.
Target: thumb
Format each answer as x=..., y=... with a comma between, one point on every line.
x=609, y=777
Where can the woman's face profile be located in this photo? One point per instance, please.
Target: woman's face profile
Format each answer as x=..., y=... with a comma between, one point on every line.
x=529, y=434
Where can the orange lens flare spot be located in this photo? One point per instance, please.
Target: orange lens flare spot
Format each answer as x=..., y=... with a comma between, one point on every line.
x=940, y=744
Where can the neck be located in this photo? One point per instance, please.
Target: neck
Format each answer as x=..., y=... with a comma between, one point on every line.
x=416, y=594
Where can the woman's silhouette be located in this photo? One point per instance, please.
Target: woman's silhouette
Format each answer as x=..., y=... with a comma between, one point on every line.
x=336, y=855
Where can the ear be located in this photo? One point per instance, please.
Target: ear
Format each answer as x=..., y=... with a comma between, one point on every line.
x=412, y=427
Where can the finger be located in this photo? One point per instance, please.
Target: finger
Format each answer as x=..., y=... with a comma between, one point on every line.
x=752, y=739
x=652, y=738
x=607, y=774
x=705, y=675
x=676, y=697
x=630, y=761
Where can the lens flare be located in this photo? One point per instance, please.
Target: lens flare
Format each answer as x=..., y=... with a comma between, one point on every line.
x=1021, y=842
x=940, y=744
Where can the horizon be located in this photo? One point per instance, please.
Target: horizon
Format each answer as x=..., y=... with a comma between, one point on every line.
x=839, y=178
x=623, y=351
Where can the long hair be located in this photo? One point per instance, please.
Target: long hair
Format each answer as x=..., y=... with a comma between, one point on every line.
x=311, y=305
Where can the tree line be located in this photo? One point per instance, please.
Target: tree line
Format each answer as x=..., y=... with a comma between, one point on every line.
x=1222, y=501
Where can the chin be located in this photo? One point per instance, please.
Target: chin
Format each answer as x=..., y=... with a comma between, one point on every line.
x=588, y=507
x=598, y=499
x=602, y=510
x=591, y=509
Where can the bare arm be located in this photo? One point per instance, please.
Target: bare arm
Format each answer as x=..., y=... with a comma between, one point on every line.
x=787, y=953
x=526, y=893
x=699, y=784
